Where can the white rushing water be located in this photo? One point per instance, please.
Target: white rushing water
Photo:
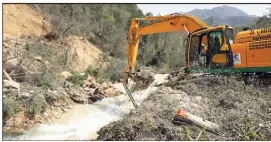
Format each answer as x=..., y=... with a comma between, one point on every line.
x=83, y=121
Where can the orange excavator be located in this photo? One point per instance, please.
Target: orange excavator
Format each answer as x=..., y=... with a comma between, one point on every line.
x=209, y=49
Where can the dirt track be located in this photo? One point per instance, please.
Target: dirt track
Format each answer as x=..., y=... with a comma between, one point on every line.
x=242, y=110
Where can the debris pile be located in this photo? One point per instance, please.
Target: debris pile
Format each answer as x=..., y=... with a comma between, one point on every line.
x=242, y=111
x=96, y=91
x=151, y=120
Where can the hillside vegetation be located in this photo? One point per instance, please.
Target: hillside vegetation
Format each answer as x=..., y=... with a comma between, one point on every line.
x=66, y=54
x=105, y=25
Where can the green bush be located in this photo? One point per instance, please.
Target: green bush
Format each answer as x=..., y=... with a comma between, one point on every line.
x=115, y=70
x=36, y=105
x=165, y=51
x=43, y=80
x=77, y=78
x=92, y=71
x=10, y=106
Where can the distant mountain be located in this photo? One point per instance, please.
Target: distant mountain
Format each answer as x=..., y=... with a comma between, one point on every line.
x=224, y=15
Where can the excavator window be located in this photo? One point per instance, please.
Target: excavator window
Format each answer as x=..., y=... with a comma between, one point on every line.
x=206, y=50
x=194, y=46
x=229, y=33
x=215, y=41
x=218, y=56
x=198, y=50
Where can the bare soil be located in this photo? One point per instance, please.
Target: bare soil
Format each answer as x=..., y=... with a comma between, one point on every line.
x=20, y=19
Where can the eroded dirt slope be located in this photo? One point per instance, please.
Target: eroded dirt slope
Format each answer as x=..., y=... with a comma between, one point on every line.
x=82, y=52
x=20, y=19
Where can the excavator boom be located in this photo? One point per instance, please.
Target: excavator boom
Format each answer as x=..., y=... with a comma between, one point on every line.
x=161, y=24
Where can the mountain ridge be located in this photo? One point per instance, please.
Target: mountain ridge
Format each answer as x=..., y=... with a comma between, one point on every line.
x=222, y=15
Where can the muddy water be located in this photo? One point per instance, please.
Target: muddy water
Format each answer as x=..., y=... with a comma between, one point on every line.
x=83, y=121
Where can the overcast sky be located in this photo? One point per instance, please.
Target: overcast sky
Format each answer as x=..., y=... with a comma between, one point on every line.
x=251, y=9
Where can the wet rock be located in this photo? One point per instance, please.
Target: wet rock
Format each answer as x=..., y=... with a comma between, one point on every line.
x=94, y=99
x=79, y=98
x=64, y=109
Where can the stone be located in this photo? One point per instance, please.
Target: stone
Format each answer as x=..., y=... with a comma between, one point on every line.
x=38, y=58
x=26, y=95
x=47, y=63
x=66, y=74
x=78, y=98
x=64, y=109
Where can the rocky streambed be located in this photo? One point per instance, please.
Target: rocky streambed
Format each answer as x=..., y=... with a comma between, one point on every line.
x=82, y=121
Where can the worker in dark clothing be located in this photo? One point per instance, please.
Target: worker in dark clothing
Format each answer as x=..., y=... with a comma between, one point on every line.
x=216, y=45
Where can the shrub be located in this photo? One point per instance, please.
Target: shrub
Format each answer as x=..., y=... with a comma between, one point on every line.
x=36, y=105
x=43, y=80
x=115, y=70
x=77, y=78
x=10, y=106
x=92, y=71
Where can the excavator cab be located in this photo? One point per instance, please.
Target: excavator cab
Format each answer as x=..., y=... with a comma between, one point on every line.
x=210, y=48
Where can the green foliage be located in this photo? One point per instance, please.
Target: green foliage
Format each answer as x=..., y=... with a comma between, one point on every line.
x=165, y=51
x=48, y=53
x=62, y=58
x=115, y=70
x=36, y=105
x=77, y=78
x=187, y=135
x=43, y=80
x=204, y=135
x=250, y=133
x=106, y=24
x=46, y=73
x=262, y=22
x=10, y=106
x=92, y=71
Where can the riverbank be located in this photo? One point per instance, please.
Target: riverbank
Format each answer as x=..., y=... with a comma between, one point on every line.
x=83, y=121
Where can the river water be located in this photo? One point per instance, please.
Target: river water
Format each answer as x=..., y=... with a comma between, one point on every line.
x=83, y=121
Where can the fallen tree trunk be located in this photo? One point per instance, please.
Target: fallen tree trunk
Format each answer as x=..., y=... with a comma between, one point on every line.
x=186, y=116
x=11, y=83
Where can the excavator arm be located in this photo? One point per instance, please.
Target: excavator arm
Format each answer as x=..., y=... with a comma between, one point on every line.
x=168, y=23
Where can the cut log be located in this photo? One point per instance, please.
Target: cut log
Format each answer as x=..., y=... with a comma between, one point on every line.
x=11, y=83
x=186, y=116
x=6, y=74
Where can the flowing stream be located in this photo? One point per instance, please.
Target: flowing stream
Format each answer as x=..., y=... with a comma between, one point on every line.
x=84, y=121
